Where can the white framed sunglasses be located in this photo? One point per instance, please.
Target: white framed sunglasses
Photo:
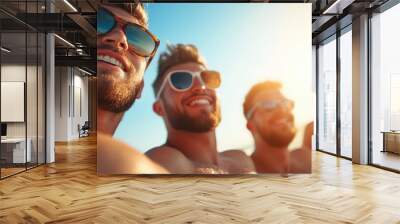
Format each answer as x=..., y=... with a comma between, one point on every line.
x=270, y=105
x=182, y=80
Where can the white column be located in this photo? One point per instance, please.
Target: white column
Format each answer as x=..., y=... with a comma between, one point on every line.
x=50, y=93
x=360, y=90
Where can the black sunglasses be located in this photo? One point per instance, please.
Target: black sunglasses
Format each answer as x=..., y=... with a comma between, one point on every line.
x=142, y=42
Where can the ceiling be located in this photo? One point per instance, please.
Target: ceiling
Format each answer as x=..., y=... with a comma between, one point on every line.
x=329, y=16
x=75, y=43
x=75, y=22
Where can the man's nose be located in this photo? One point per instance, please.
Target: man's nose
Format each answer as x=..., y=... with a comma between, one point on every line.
x=117, y=38
x=283, y=110
x=198, y=85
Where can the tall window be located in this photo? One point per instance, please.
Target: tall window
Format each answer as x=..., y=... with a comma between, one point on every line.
x=346, y=94
x=327, y=96
x=385, y=89
x=394, y=102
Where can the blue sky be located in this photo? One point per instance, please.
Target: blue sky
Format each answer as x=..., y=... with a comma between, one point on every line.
x=247, y=43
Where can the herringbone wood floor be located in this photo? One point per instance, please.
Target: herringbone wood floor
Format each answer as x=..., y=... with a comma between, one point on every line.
x=69, y=191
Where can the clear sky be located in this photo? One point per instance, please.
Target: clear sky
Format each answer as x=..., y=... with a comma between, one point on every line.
x=247, y=43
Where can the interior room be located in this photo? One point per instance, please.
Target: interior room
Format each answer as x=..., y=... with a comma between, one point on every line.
x=25, y=68
x=22, y=99
x=49, y=125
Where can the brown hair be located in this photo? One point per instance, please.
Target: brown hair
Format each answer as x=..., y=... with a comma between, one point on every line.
x=135, y=9
x=176, y=54
x=248, y=102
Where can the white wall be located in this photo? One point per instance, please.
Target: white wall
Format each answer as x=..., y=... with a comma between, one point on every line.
x=16, y=73
x=61, y=103
x=71, y=94
x=12, y=101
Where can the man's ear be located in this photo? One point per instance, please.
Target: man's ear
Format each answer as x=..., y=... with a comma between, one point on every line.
x=250, y=125
x=140, y=89
x=157, y=108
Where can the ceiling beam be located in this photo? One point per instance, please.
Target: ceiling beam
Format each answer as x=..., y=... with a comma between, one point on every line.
x=337, y=6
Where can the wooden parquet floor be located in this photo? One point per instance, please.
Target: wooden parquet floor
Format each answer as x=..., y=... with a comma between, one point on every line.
x=69, y=191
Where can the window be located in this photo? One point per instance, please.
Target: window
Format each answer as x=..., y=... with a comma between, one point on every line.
x=346, y=93
x=385, y=89
x=327, y=96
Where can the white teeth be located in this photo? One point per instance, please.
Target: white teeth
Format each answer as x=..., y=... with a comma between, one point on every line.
x=199, y=102
x=110, y=60
x=282, y=121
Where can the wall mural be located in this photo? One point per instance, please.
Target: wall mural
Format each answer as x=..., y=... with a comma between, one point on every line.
x=204, y=88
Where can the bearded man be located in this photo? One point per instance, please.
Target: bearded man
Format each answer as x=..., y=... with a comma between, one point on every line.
x=270, y=120
x=186, y=100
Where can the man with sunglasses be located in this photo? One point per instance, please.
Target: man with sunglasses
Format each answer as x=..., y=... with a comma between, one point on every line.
x=186, y=100
x=271, y=122
x=124, y=50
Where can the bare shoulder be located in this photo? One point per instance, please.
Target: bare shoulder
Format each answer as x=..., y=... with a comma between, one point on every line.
x=300, y=161
x=234, y=153
x=172, y=159
x=238, y=161
x=164, y=151
x=117, y=157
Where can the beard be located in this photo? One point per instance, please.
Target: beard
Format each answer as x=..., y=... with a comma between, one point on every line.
x=203, y=122
x=115, y=94
x=277, y=137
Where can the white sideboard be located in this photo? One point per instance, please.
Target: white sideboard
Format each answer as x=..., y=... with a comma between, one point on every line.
x=18, y=148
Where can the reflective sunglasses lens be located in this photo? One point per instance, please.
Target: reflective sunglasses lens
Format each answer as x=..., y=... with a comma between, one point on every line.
x=140, y=40
x=105, y=21
x=181, y=80
x=212, y=79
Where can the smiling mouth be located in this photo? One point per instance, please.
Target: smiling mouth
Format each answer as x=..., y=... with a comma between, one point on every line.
x=200, y=101
x=284, y=121
x=111, y=60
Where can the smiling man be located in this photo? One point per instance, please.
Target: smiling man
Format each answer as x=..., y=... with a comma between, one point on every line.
x=124, y=49
x=186, y=100
x=271, y=122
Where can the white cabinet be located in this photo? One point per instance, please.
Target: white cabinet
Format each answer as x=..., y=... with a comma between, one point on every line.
x=17, y=145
